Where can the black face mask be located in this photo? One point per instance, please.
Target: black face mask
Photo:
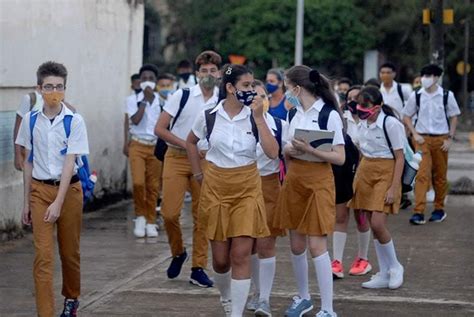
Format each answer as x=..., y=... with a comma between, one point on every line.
x=352, y=106
x=185, y=76
x=137, y=90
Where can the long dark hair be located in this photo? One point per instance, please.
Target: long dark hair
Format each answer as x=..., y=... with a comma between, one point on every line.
x=316, y=84
x=373, y=95
x=231, y=73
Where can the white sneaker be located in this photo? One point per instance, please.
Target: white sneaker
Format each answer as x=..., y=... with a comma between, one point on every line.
x=139, y=230
x=396, y=277
x=252, y=302
x=227, y=306
x=151, y=231
x=377, y=281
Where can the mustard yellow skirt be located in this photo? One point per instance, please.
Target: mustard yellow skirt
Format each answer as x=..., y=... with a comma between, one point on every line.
x=231, y=203
x=307, y=201
x=372, y=180
x=271, y=192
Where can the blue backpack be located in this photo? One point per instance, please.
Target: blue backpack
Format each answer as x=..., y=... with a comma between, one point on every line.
x=83, y=171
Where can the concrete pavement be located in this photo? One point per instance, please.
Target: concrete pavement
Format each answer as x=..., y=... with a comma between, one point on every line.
x=124, y=276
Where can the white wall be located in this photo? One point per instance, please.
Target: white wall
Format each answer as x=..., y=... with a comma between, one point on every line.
x=100, y=42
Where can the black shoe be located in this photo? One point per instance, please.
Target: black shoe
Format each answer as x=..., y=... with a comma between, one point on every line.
x=200, y=278
x=405, y=203
x=70, y=308
x=176, y=264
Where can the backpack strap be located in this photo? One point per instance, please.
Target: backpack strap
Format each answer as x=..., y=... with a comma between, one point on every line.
x=278, y=135
x=254, y=128
x=210, y=118
x=32, y=100
x=67, y=129
x=400, y=93
x=445, y=104
x=33, y=117
x=323, y=117
x=291, y=114
x=182, y=103
x=387, y=137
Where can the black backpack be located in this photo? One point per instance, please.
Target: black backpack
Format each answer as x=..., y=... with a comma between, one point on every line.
x=161, y=147
x=211, y=120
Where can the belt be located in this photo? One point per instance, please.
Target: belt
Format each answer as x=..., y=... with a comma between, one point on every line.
x=177, y=150
x=143, y=141
x=56, y=182
x=433, y=135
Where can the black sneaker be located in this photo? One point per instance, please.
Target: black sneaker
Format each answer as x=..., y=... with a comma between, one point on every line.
x=200, y=278
x=176, y=264
x=405, y=203
x=70, y=308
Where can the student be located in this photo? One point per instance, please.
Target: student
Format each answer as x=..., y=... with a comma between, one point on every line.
x=135, y=86
x=344, y=177
x=263, y=258
x=186, y=78
x=307, y=200
x=377, y=184
x=393, y=93
x=53, y=192
x=177, y=173
x=232, y=206
x=144, y=111
x=274, y=84
x=342, y=87
x=165, y=86
x=434, y=131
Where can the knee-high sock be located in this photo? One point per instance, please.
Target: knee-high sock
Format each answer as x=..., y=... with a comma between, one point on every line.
x=239, y=293
x=383, y=265
x=300, y=269
x=223, y=284
x=322, y=264
x=338, y=245
x=267, y=274
x=254, y=262
x=388, y=251
x=364, y=240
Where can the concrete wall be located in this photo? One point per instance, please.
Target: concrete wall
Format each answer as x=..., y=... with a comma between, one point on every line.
x=100, y=42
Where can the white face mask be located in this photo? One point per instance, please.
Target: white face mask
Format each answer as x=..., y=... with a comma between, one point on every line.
x=427, y=82
x=145, y=84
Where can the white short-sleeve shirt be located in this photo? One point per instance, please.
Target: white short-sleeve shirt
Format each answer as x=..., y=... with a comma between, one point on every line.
x=392, y=98
x=431, y=115
x=309, y=120
x=49, y=139
x=352, y=127
x=145, y=129
x=232, y=143
x=25, y=104
x=194, y=106
x=372, y=140
x=266, y=165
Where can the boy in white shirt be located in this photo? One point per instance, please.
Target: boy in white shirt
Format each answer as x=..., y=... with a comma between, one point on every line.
x=53, y=192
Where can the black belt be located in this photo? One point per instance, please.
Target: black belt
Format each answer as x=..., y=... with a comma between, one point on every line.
x=433, y=135
x=56, y=182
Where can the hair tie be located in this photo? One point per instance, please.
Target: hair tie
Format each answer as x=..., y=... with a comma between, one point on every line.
x=228, y=71
x=315, y=77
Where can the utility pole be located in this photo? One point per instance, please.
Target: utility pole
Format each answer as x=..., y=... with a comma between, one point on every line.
x=437, y=33
x=299, y=33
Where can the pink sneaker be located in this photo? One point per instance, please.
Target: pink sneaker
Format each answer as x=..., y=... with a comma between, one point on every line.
x=337, y=269
x=360, y=267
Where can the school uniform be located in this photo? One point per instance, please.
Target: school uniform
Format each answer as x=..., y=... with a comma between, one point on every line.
x=178, y=175
x=49, y=139
x=269, y=170
x=231, y=195
x=392, y=98
x=374, y=174
x=432, y=125
x=307, y=200
x=145, y=167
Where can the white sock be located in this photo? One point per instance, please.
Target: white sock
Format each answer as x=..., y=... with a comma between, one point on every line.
x=338, y=245
x=267, y=274
x=364, y=240
x=322, y=264
x=255, y=267
x=388, y=251
x=223, y=284
x=239, y=291
x=383, y=266
x=300, y=269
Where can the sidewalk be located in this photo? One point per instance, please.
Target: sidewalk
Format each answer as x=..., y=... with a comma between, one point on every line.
x=124, y=276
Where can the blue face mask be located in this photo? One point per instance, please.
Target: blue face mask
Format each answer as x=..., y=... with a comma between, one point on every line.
x=166, y=92
x=271, y=88
x=245, y=97
x=292, y=99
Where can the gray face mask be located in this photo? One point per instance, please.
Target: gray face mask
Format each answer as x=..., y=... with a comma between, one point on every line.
x=208, y=82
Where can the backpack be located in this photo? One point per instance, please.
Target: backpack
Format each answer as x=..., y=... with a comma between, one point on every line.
x=400, y=93
x=161, y=147
x=445, y=104
x=83, y=171
x=406, y=166
x=210, y=118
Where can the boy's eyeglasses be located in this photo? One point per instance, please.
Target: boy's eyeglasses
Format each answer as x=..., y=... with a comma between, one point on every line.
x=50, y=87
